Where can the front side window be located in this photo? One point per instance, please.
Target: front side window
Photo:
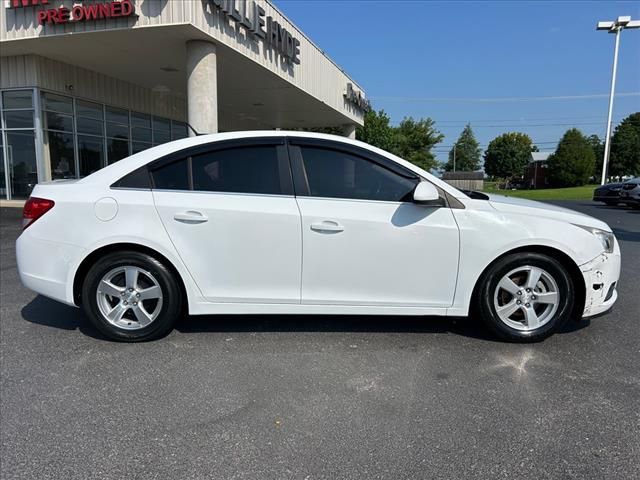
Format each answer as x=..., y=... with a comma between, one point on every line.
x=337, y=174
x=253, y=169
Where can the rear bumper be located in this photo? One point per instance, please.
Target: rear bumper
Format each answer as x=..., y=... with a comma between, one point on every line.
x=46, y=267
x=601, y=277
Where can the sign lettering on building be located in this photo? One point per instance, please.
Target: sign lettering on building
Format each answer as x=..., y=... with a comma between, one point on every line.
x=79, y=12
x=252, y=17
x=356, y=98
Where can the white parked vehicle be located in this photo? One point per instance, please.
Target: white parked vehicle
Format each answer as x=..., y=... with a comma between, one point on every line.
x=299, y=223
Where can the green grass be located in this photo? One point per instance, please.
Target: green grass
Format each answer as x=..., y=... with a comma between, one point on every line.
x=573, y=193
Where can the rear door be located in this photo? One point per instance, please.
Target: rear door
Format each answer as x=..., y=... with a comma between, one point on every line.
x=229, y=210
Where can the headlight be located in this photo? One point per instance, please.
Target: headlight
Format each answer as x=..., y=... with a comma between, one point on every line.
x=607, y=239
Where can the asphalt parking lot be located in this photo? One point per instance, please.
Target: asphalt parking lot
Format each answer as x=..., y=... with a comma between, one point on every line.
x=256, y=397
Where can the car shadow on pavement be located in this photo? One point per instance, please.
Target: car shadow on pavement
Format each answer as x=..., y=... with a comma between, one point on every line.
x=463, y=326
x=44, y=311
x=49, y=313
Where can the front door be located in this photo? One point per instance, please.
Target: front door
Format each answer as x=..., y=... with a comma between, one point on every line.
x=364, y=241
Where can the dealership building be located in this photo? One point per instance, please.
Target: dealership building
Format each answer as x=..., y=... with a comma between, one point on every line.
x=87, y=83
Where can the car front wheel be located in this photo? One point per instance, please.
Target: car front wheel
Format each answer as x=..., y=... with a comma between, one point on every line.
x=525, y=297
x=131, y=296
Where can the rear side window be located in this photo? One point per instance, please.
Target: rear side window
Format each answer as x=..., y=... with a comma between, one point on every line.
x=337, y=174
x=250, y=169
x=173, y=176
x=241, y=170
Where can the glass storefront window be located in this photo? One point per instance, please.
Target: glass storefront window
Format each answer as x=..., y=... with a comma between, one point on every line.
x=115, y=130
x=89, y=110
x=137, y=147
x=117, y=115
x=57, y=121
x=140, y=120
x=18, y=118
x=90, y=126
x=78, y=137
x=57, y=103
x=117, y=150
x=61, y=155
x=179, y=130
x=161, y=130
x=3, y=179
x=17, y=99
x=91, y=153
x=21, y=159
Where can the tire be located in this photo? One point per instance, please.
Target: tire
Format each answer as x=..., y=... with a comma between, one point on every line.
x=496, y=297
x=611, y=203
x=140, y=299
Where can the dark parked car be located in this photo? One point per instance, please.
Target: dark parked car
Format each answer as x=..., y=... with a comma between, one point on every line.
x=609, y=194
x=630, y=193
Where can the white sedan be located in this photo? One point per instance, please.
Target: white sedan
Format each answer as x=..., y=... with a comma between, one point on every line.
x=299, y=223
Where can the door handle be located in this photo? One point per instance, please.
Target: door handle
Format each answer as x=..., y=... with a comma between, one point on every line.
x=327, y=226
x=191, y=217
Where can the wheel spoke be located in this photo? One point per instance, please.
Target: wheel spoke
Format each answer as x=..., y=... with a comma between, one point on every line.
x=150, y=293
x=131, y=276
x=110, y=289
x=531, y=317
x=507, y=284
x=533, y=278
x=116, y=314
x=505, y=311
x=547, y=297
x=142, y=315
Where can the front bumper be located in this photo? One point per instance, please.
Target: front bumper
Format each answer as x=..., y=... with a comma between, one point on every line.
x=601, y=277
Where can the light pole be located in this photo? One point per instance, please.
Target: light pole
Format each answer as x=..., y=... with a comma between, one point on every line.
x=613, y=27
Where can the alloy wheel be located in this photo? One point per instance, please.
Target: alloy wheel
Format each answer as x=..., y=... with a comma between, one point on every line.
x=129, y=298
x=526, y=298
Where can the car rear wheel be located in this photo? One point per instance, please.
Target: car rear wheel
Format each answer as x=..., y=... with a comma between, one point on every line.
x=525, y=297
x=131, y=296
x=611, y=203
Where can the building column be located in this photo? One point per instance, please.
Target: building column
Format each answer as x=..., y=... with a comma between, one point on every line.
x=349, y=131
x=202, y=87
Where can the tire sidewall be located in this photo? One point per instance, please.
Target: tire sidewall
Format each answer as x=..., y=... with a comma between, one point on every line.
x=554, y=268
x=172, y=296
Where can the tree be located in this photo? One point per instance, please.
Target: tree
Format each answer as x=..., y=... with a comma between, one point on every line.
x=376, y=130
x=465, y=154
x=598, y=151
x=508, y=154
x=413, y=140
x=625, y=147
x=573, y=162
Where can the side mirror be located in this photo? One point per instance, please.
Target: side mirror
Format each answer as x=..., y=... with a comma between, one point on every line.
x=426, y=194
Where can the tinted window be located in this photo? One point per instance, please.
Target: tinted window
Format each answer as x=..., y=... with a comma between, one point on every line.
x=174, y=176
x=336, y=174
x=244, y=170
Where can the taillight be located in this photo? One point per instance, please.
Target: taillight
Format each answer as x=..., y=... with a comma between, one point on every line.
x=34, y=209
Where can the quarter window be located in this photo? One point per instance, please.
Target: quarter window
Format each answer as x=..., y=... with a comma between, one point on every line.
x=337, y=174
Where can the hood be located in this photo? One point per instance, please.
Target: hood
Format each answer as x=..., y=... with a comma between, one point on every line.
x=544, y=210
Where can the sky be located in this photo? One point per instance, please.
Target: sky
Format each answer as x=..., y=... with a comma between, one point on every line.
x=460, y=62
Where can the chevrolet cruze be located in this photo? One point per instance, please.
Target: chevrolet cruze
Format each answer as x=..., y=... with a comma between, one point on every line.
x=299, y=223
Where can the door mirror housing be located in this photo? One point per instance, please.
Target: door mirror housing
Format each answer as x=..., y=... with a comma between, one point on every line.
x=426, y=193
